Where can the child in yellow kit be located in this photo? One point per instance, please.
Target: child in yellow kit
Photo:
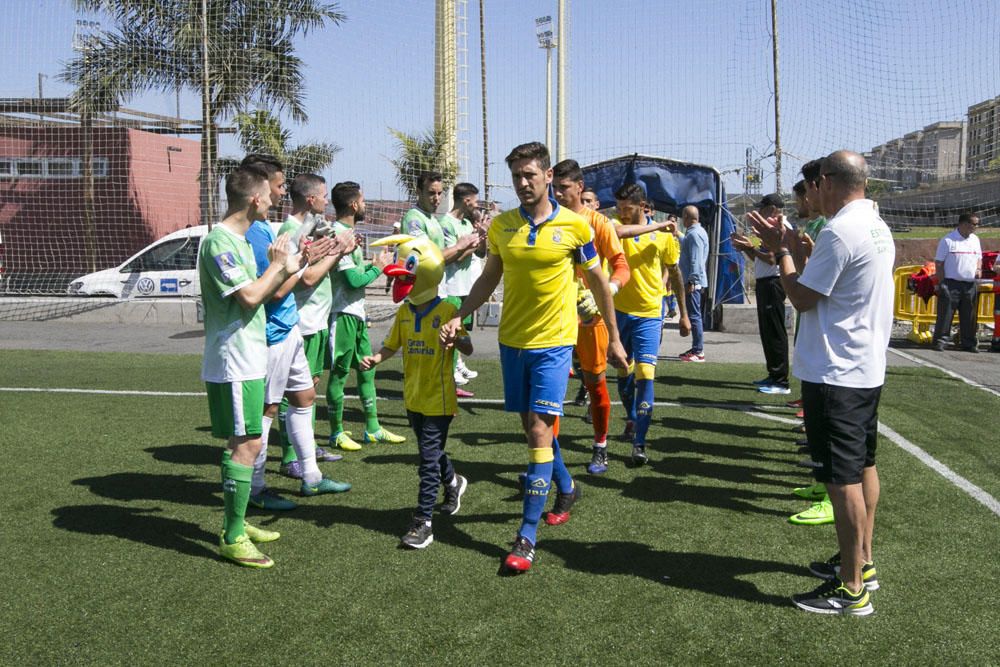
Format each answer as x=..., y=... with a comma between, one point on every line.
x=428, y=379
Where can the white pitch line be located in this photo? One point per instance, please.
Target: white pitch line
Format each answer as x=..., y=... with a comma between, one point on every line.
x=928, y=364
x=950, y=475
x=965, y=485
x=114, y=392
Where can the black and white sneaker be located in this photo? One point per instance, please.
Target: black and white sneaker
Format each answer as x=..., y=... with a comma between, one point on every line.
x=453, y=495
x=582, y=397
x=419, y=535
x=832, y=597
x=639, y=457
x=830, y=570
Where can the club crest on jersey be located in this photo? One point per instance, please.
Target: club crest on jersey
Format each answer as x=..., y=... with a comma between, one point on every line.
x=556, y=236
x=225, y=261
x=436, y=322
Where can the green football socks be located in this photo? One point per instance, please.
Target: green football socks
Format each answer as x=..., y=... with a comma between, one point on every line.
x=235, y=496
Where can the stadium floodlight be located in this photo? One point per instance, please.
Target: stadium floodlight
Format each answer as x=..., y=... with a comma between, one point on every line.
x=547, y=40
x=85, y=34
x=543, y=30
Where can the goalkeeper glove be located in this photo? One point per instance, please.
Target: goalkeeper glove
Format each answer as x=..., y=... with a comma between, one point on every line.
x=586, y=307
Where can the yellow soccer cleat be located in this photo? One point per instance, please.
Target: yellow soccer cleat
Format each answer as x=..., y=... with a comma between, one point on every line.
x=343, y=441
x=383, y=435
x=260, y=535
x=243, y=552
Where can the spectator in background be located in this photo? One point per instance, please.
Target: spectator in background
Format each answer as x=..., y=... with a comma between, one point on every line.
x=693, y=264
x=958, y=264
x=770, y=302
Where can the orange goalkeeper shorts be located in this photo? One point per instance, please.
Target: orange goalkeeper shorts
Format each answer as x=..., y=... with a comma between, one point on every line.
x=592, y=346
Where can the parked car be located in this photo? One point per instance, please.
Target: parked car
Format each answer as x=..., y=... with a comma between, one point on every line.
x=166, y=268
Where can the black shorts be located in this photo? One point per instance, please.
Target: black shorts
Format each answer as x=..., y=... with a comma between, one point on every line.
x=842, y=429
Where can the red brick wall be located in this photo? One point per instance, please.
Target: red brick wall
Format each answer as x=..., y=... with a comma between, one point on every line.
x=141, y=199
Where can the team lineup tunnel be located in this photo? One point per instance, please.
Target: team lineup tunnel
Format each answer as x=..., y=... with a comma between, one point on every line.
x=670, y=186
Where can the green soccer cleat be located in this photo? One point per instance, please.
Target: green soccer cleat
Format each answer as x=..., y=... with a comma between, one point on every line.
x=815, y=492
x=817, y=515
x=343, y=441
x=260, y=535
x=325, y=485
x=243, y=552
x=382, y=435
x=271, y=501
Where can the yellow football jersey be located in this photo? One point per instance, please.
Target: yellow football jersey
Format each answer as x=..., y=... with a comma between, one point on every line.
x=428, y=376
x=539, y=299
x=648, y=256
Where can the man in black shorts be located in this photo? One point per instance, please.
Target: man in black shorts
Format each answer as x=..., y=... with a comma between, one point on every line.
x=845, y=296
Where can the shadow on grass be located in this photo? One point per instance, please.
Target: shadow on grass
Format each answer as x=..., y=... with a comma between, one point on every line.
x=671, y=380
x=692, y=466
x=664, y=490
x=756, y=429
x=706, y=573
x=180, y=489
x=188, y=454
x=738, y=450
x=137, y=525
x=394, y=522
x=499, y=474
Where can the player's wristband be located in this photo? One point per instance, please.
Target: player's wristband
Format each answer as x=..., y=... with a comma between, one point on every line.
x=781, y=253
x=614, y=287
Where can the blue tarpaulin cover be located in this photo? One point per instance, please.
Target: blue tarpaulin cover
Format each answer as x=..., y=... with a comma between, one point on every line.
x=670, y=186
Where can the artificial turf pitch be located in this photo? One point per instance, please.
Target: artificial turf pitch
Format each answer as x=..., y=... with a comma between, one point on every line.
x=112, y=507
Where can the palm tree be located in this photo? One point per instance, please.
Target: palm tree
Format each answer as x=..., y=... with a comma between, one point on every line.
x=261, y=132
x=159, y=45
x=420, y=153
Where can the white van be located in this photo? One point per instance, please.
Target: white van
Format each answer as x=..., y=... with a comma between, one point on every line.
x=166, y=268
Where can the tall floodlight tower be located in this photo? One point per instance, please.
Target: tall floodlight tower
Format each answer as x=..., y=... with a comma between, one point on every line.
x=445, y=77
x=547, y=41
x=562, y=131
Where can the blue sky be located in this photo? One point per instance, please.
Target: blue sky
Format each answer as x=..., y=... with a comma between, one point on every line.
x=687, y=80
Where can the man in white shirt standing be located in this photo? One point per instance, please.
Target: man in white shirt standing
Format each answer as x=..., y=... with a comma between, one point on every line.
x=959, y=264
x=845, y=296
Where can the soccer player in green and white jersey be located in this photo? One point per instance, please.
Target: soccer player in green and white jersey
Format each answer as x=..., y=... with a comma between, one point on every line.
x=420, y=220
x=235, y=360
x=349, y=342
x=460, y=241
x=313, y=298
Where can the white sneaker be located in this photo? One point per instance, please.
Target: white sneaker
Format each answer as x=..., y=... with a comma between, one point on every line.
x=460, y=379
x=466, y=372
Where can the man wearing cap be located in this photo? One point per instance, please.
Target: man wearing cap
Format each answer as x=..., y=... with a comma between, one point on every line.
x=770, y=297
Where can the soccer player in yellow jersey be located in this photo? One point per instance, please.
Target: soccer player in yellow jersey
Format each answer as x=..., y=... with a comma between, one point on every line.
x=535, y=249
x=652, y=259
x=428, y=378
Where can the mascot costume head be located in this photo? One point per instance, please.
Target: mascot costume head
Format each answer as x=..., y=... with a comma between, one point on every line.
x=418, y=269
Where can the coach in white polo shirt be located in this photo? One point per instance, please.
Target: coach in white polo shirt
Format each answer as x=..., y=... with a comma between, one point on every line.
x=845, y=296
x=959, y=264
